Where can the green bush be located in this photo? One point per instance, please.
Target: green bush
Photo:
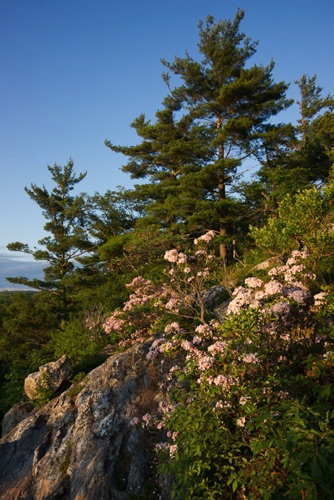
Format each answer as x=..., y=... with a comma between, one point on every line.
x=80, y=343
x=302, y=221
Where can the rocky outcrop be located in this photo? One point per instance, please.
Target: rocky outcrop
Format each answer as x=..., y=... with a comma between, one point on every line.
x=50, y=378
x=82, y=444
x=15, y=415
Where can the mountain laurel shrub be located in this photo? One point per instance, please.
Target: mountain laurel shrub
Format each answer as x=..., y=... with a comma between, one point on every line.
x=151, y=306
x=305, y=220
x=251, y=414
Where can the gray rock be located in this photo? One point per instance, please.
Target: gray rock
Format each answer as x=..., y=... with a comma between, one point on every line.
x=266, y=264
x=213, y=297
x=15, y=415
x=50, y=377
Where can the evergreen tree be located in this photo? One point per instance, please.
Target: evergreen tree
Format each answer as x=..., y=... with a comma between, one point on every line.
x=67, y=222
x=307, y=155
x=316, y=126
x=99, y=277
x=310, y=105
x=224, y=108
x=110, y=214
x=171, y=148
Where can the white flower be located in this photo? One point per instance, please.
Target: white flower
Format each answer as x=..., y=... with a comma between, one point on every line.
x=273, y=287
x=206, y=238
x=253, y=282
x=172, y=328
x=171, y=255
x=320, y=299
x=241, y=422
x=172, y=450
x=181, y=259
x=251, y=358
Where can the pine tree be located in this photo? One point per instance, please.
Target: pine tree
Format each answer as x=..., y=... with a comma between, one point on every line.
x=210, y=124
x=99, y=277
x=306, y=153
x=313, y=145
x=171, y=148
x=67, y=222
x=310, y=105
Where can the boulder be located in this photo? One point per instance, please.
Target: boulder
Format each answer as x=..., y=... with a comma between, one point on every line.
x=213, y=297
x=50, y=377
x=264, y=265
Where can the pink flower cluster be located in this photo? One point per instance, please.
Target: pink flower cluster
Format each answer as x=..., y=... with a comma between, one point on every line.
x=282, y=309
x=251, y=358
x=171, y=449
x=143, y=292
x=174, y=257
x=205, y=238
x=293, y=270
x=320, y=299
x=130, y=322
x=253, y=282
x=223, y=381
x=288, y=280
x=242, y=297
x=146, y=419
x=205, y=331
x=172, y=328
x=173, y=305
x=217, y=349
x=116, y=323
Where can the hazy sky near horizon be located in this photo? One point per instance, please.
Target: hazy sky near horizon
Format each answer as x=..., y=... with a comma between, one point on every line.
x=74, y=73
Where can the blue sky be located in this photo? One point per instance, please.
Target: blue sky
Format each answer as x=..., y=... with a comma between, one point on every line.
x=77, y=72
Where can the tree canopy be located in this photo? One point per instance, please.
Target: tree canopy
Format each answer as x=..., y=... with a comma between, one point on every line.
x=218, y=117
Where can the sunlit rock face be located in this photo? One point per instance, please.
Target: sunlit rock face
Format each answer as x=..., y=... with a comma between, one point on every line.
x=82, y=444
x=50, y=377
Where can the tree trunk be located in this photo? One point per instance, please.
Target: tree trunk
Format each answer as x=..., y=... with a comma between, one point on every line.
x=222, y=196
